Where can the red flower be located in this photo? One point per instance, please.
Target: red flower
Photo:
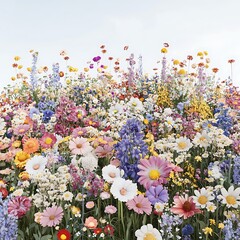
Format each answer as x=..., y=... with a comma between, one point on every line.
x=231, y=61
x=108, y=229
x=189, y=57
x=4, y=192
x=97, y=231
x=63, y=234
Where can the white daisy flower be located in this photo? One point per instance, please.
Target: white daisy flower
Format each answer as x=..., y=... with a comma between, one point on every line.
x=117, y=109
x=123, y=190
x=211, y=207
x=202, y=139
x=110, y=173
x=202, y=197
x=36, y=165
x=67, y=196
x=230, y=197
x=148, y=232
x=135, y=103
x=183, y=144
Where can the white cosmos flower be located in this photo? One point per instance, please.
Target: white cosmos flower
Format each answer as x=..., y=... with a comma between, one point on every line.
x=230, y=197
x=110, y=173
x=183, y=144
x=135, y=103
x=148, y=232
x=117, y=109
x=202, y=139
x=36, y=165
x=203, y=197
x=123, y=190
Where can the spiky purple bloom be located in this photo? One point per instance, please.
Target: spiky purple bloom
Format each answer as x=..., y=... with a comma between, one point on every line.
x=236, y=171
x=157, y=194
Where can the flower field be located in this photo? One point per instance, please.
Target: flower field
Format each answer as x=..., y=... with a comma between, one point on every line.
x=111, y=153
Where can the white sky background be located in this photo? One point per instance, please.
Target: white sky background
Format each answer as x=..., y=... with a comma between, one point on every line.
x=80, y=27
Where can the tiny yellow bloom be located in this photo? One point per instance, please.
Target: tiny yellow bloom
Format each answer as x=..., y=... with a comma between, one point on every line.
x=164, y=50
x=145, y=121
x=11, y=189
x=212, y=221
x=20, y=66
x=200, y=54
x=16, y=58
x=13, y=78
x=221, y=225
x=208, y=230
x=29, y=69
x=205, y=53
x=176, y=62
x=182, y=71
x=198, y=158
x=75, y=210
x=86, y=69
x=68, y=81
x=105, y=67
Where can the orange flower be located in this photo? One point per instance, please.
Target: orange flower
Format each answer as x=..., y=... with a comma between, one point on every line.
x=215, y=70
x=24, y=176
x=31, y=145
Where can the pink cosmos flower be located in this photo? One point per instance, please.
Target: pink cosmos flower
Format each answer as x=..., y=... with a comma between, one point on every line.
x=140, y=205
x=110, y=209
x=51, y=216
x=184, y=206
x=78, y=132
x=48, y=140
x=21, y=129
x=19, y=206
x=80, y=146
x=153, y=172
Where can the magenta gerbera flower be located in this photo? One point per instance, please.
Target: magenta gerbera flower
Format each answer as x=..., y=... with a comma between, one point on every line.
x=153, y=172
x=51, y=216
x=140, y=205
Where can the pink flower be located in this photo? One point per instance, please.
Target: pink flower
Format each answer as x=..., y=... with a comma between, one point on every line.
x=80, y=146
x=48, y=140
x=21, y=129
x=153, y=172
x=110, y=209
x=103, y=151
x=51, y=216
x=105, y=195
x=140, y=205
x=19, y=206
x=184, y=206
x=78, y=132
x=89, y=204
x=91, y=223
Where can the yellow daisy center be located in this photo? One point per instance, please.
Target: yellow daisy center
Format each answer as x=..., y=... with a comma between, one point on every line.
x=154, y=174
x=63, y=237
x=115, y=111
x=134, y=104
x=48, y=140
x=182, y=145
x=231, y=200
x=149, y=236
x=202, y=199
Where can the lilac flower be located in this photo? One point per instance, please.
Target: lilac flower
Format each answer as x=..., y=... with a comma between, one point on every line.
x=236, y=171
x=33, y=111
x=157, y=194
x=8, y=222
x=33, y=73
x=55, y=78
x=163, y=73
x=231, y=228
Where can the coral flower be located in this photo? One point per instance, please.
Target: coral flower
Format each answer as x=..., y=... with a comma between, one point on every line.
x=63, y=234
x=153, y=172
x=51, y=216
x=31, y=145
x=91, y=223
x=48, y=140
x=184, y=206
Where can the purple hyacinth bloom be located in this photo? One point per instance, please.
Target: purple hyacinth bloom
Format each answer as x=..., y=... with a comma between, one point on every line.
x=91, y=66
x=96, y=59
x=157, y=194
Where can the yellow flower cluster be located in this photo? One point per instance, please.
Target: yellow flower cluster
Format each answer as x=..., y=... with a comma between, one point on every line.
x=150, y=142
x=201, y=107
x=163, y=97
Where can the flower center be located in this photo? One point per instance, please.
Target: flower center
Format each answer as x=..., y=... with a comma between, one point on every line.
x=22, y=157
x=187, y=206
x=112, y=174
x=231, y=200
x=21, y=130
x=202, y=199
x=91, y=225
x=149, y=236
x=154, y=174
x=80, y=132
x=30, y=144
x=134, y=104
x=48, y=140
x=202, y=138
x=63, y=237
x=79, y=145
x=123, y=191
x=139, y=205
x=51, y=217
x=182, y=145
x=115, y=111
x=36, y=166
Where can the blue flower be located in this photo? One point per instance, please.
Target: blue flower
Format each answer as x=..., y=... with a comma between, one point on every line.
x=157, y=194
x=236, y=171
x=47, y=114
x=33, y=111
x=187, y=230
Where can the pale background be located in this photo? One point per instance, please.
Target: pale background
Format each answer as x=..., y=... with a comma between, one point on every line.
x=80, y=27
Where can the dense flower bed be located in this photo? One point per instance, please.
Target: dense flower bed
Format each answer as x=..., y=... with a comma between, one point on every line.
x=120, y=155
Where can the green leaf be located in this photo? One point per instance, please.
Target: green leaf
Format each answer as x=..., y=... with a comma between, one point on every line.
x=47, y=237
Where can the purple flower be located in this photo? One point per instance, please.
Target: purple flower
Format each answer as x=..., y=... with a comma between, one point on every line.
x=91, y=66
x=96, y=59
x=157, y=194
